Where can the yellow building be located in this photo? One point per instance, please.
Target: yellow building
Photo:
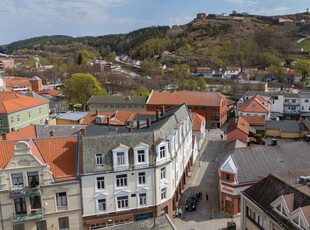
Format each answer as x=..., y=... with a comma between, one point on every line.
x=286, y=129
x=39, y=188
x=71, y=118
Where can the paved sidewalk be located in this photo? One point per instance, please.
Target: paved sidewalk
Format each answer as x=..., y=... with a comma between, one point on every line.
x=204, y=178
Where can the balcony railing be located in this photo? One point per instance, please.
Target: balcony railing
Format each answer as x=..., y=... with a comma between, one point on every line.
x=36, y=215
x=291, y=103
x=291, y=112
x=25, y=192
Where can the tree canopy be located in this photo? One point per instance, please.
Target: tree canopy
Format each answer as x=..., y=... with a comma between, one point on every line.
x=81, y=86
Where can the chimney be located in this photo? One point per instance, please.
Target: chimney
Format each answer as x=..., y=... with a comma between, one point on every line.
x=108, y=120
x=162, y=111
x=190, y=111
x=52, y=133
x=236, y=120
x=13, y=129
x=3, y=136
x=46, y=121
x=74, y=110
x=157, y=114
x=83, y=131
x=274, y=142
x=307, y=137
x=130, y=129
x=149, y=122
x=138, y=125
x=97, y=112
x=141, y=94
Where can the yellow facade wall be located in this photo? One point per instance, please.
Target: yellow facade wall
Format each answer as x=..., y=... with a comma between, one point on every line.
x=67, y=122
x=273, y=132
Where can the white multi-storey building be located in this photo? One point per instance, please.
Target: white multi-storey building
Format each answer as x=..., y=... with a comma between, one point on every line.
x=134, y=173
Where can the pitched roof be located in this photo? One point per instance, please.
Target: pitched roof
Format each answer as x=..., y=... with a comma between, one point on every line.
x=255, y=120
x=6, y=150
x=286, y=126
x=60, y=153
x=52, y=92
x=189, y=97
x=262, y=160
x=117, y=100
x=238, y=123
x=197, y=119
x=11, y=101
x=254, y=104
x=23, y=133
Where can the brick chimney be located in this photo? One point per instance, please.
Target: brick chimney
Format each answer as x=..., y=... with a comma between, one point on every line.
x=130, y=129
x=138, y=125
x=162, y=110
x=13, y=129
x=83, y=131
x=108, y=120
x=149, y=122
x=3, y=136
x=46, y=121
x=52, y=133
x=97, y=112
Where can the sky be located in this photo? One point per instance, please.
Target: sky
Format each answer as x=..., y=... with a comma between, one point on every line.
x=22, y=19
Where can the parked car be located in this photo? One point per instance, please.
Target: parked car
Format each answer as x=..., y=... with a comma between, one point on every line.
x=192, y=201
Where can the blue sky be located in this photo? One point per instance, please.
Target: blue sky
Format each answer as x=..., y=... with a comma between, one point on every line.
x=21, y=19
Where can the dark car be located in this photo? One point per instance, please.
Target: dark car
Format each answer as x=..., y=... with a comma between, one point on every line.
x=192, y=201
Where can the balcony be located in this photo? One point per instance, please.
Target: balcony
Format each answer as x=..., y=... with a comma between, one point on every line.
x=291, y=103
x=34, y=215
x=291, y=112
x=25, y=192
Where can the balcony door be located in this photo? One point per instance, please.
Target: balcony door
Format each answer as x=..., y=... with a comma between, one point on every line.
x=20, y=206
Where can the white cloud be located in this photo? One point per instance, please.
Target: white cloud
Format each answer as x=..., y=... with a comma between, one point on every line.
x=235, y=1
x=273, y=11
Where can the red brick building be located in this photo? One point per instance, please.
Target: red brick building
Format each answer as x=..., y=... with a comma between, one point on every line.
x=211, y=105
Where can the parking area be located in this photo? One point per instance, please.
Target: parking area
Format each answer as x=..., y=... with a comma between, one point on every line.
x=204, y=179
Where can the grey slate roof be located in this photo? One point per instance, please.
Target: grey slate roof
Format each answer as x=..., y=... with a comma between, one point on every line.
x=117, y=100
x=271, y=188
x=72, y=116
x=262, y=160
x=286, y=126
x=35, y=78
x=60, y=130
x=233, y=145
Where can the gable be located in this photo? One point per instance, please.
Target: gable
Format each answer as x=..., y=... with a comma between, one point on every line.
x=229, y=166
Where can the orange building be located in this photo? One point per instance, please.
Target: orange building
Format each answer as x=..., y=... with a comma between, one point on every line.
x=211, y=105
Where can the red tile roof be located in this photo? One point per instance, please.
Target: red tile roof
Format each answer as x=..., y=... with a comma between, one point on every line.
x=23, y=133
x=203, y=68
x=11, y=101
x=15, y=82
x=255, y=105
x=197, y=120
x=238, y=123
x=60, y=153
x=233, y=68
x=6, y=150
x=255, y=120
x=188, y=97
x=52, y=92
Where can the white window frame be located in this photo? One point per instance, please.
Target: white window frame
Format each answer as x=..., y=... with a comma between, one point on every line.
x=121, y=148
x=29, y=114
x=141, y=147
x=98, y=205
x=163, y=193
x=122, y=202
x=18, y=118
x=40, y=111
x=143, y=199
x=162, y=152
x=123, y=180
x=99, y=160
x=138, y=181
x=163, y=174
x=100, y=183
x=120, y=158
x=12, y=120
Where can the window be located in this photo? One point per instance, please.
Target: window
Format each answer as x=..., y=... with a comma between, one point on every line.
x=19, y=227
x=254, y=217
x=12, y=120
x=302, y=107
x=63, y=223
x=20, y=206
x=18, y=118
x=141, y=156
x=29, y=114
x=40, y=111
x=41, y=225
x=163, y=193
x=35, y=202
x=1, y=122
x=61, y=199
x=100, y=182
x=120, y=158
x=227, y=177
x=307, y=101
x=99, y=159
x=122, y=202
x=17, y=180
x=102, y=205
x=162, y=152
x=142, y=199
x=121, y=180
x=196, y=108
x=33, y=179
x=141, y=177
x=163, y=173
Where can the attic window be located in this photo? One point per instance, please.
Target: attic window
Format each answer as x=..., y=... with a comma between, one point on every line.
x=253, y=105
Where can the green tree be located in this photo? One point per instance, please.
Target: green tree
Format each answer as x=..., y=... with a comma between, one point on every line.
x=143, y=90
x=146, y=67
x=192, y=85
x=31, y=61
x=80, y=87
x=80, y=59
x=198, y=46
x=227, y=45
x=187, y=46
x=303, y=67
x=201, y=83
x=278, y=71
x=133, y=92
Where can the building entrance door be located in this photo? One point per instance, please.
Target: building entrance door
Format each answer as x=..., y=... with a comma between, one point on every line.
x=228, y=204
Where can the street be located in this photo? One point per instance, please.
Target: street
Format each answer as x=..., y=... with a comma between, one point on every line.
x=204, y=178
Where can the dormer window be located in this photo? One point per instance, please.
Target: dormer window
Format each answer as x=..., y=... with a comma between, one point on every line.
x=141, y=156
x=162, y=150
x=99, y=160
x=120, y=158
